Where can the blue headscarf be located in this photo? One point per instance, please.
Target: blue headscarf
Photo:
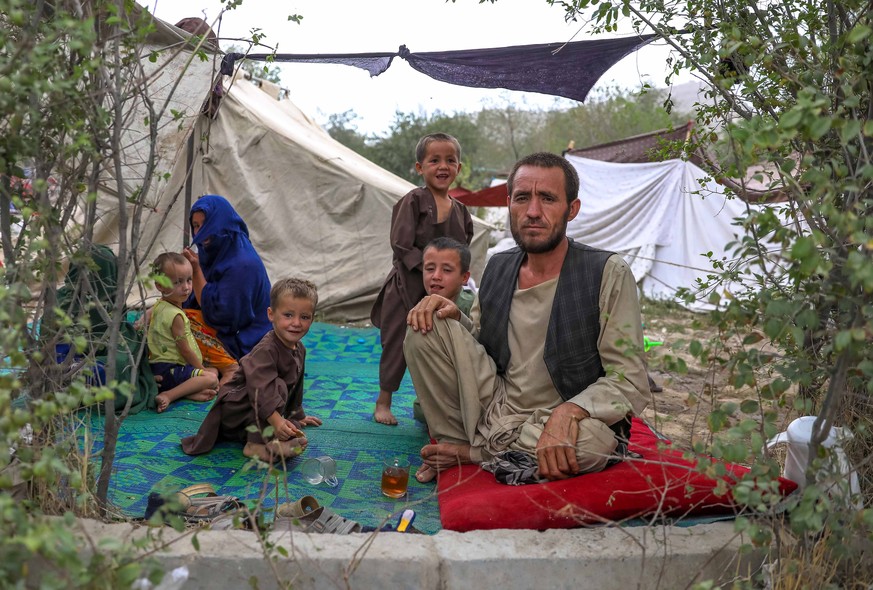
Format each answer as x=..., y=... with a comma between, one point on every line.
x=237, y=292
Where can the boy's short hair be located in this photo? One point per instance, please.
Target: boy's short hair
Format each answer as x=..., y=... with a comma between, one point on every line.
x=166, y=258
x=421, y=148
x=447, y=243
x=549, y=160
x=296, y=288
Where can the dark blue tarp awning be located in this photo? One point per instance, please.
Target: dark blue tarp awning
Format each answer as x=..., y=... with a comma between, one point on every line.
x=559, y=69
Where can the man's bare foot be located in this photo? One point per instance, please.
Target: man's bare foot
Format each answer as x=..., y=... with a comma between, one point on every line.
x=162, y=402
x=440, y=457
x=202, y=396
x=426, y=473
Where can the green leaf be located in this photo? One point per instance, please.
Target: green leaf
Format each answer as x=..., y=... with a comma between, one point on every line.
x=750, y=406
x=859, y=33
x=819, y=126
x=803, y=247
x=717, y=420
x=752, y=338
x=792, y=118
x=851, y=129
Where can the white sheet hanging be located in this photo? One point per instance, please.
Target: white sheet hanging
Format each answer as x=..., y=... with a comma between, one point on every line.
x=663, y=217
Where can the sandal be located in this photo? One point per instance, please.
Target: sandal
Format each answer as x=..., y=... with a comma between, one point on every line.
x=200, y=503
x=302, y=507
x=307, y=516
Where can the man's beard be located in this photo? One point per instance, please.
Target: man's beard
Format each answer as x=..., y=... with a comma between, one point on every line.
x=543, y=245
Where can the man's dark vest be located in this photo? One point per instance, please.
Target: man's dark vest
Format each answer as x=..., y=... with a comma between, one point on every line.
x=571, y=353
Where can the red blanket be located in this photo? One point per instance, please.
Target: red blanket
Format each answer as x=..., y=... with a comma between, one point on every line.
x=662, y=482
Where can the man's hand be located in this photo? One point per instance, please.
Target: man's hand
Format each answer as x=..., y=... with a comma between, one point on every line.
x=556, y=449
x=310, y=421
x=420, y=317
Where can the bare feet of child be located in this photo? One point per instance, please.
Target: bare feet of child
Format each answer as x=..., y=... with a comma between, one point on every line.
x=274, y=449
x=162, y=402
x=288, y=449
x=382, y=414
x=202, y=396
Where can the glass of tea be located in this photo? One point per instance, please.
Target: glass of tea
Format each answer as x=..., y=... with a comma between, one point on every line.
x=395, y=477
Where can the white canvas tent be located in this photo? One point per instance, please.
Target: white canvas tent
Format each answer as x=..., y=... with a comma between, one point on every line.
x=663, y=217
x=314, y=208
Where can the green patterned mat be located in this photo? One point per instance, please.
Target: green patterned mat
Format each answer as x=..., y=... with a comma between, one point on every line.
x=341, y=384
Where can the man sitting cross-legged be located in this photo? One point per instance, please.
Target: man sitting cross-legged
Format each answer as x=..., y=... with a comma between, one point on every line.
x=550, y=361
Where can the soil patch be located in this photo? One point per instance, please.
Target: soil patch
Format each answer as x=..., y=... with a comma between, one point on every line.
x=680, y=411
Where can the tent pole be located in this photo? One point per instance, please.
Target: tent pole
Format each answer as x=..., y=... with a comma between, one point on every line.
x=189, y=166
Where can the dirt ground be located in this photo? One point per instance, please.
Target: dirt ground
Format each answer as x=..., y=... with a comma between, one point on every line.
x=680, y=411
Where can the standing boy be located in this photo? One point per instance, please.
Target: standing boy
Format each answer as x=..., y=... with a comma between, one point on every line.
x=173, y=352
x=423, y=214
x=267, y=390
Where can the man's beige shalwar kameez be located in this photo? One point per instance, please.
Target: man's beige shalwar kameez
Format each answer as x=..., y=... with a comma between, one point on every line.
x=466, y=402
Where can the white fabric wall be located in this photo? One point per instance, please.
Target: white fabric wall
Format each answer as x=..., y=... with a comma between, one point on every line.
x=663, y=217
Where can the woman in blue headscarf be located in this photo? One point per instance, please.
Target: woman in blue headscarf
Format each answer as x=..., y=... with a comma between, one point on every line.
x=231, y=286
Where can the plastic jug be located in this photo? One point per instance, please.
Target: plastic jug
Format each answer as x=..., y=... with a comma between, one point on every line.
x=837, y=474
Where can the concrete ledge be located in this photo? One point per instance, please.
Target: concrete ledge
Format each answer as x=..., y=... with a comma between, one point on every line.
x=602, y=558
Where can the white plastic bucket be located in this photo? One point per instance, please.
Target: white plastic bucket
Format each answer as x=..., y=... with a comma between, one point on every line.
x=837, y=473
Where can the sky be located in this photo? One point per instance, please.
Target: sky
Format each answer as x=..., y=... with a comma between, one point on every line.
x=361, y=26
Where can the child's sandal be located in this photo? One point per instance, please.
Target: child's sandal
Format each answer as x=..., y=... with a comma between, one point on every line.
x=302, y=507
x=200, y=503
x=306, y=516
